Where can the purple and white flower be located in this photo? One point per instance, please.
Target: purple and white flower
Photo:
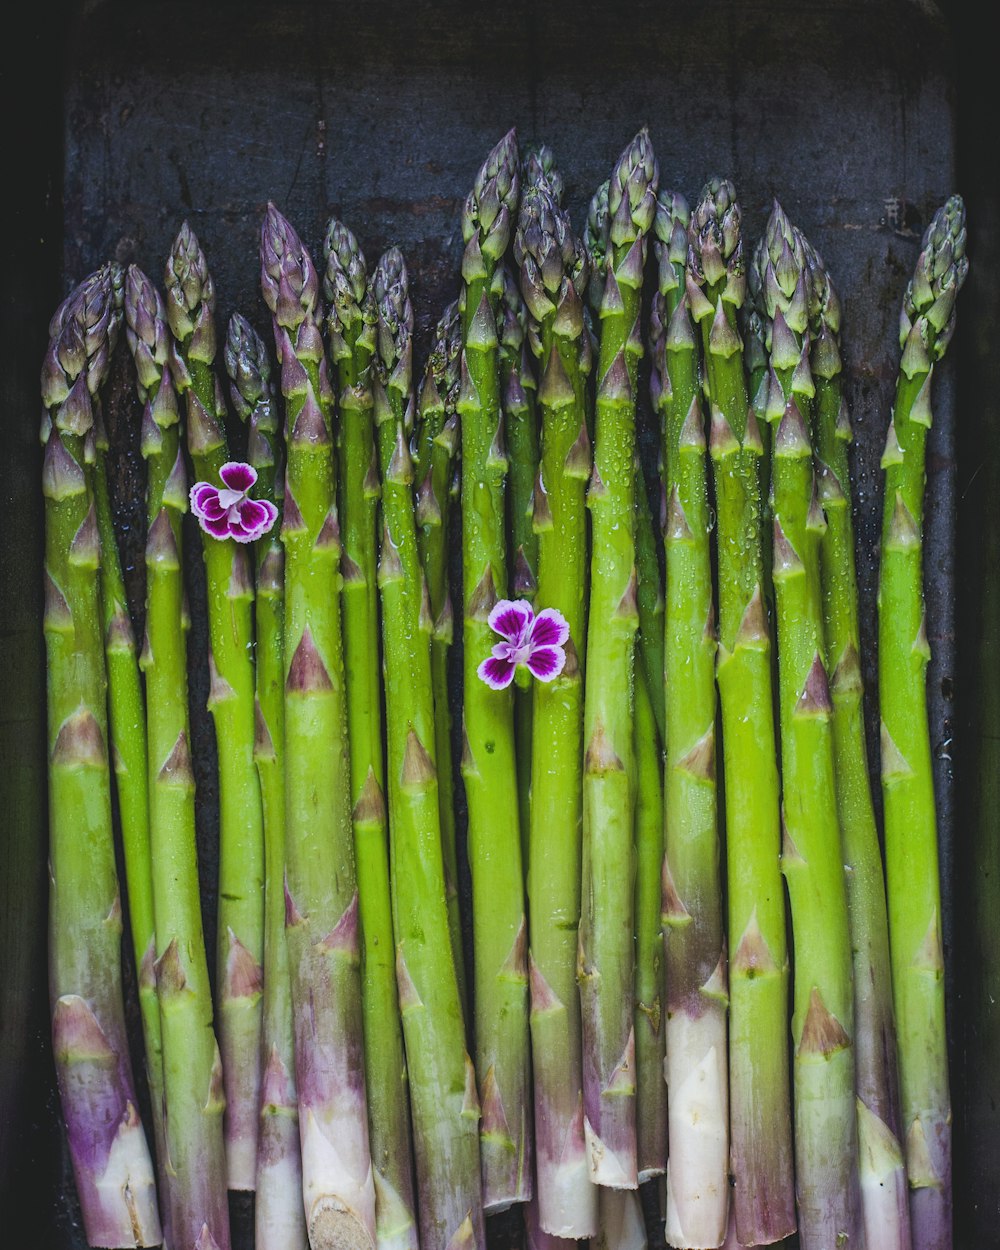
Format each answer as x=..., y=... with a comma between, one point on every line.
x=227, y=511
x=535, y=642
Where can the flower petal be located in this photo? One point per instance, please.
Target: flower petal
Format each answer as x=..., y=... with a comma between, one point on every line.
x=545, y=663
x=551, y=629
x=204, y=495
x=498, y=674
x=272, y=516
x=240, y=535
x=511, y=618
x=218, y=527
x=252, y=514
x=213, y=509
x=238, y=476
x=230, y=498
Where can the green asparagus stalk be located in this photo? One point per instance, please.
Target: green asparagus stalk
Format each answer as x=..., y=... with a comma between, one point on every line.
x=883, y=1176
x=694, y=951
x=351, y=332
x=650, y=1053
x=489, y=768
x=239, y=951
x=553, y=274
x=518, y=387
x=321, y=898
x=765, y=393
x=606, y=959
x=826, y=1153
x=927, y=323
x=443, y=1089
x=354, y=340
x=767, y=400
x=127, y=717
x=760, y=1119
x=108, y=1148
x=192, y=1067
x=352, y=325
x=279, y=1220
x=436, y=444
x=650, y=1073
x=650, y=638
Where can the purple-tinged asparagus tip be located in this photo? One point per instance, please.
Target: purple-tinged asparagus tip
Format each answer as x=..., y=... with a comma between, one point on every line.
x=632, y=191
x=288, y=277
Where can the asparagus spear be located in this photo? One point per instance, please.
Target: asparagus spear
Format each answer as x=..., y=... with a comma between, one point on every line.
x=826, y=1156
x=518, y=387
x=352, y=324
x=883, y=1178
x=763, y=387
x=436, y=444
x=649, y=597
x=192, y=1068
x=650, y=1072
x=650, y=1053
x=606, y=959
x=489, y=768
x=694, y=950
x=108, y=1149
x=553, y=273
x=443, y=1088
x=321, y=899
x=927, y=323
x=279, y=1220
x=351, y=329
x=240, y=934
x=760, y=1120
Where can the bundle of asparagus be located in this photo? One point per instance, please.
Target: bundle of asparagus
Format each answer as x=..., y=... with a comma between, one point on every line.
x=111, y=1159
x=343, y=1091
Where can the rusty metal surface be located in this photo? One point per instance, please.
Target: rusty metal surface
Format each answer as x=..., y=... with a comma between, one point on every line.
x=381, y=113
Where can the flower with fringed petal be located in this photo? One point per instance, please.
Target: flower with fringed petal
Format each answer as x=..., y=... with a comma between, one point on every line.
x=227, y=511
x=536, y=643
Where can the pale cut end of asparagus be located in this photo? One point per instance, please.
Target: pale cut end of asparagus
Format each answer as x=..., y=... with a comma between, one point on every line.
x=697, y=1077
x=336, y=1221
x=621, y=1222
x=277, y=1224
x=113, y=1169
x=883, y=1182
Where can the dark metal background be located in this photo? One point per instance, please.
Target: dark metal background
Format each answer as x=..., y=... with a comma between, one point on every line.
x=381, y=113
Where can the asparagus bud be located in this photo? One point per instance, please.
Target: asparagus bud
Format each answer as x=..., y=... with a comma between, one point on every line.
x=539, y=170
